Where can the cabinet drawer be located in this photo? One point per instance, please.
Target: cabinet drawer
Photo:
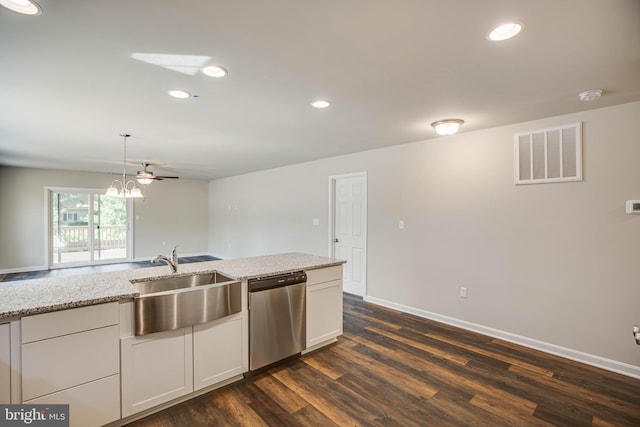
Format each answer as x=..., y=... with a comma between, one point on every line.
x=58, y=363
x=322, y=275
x=57, y=323
x=91, y=404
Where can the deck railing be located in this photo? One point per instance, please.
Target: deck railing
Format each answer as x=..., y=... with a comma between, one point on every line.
x=75, y=238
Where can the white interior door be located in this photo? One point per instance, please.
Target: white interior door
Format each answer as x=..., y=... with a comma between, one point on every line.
x=350, y=229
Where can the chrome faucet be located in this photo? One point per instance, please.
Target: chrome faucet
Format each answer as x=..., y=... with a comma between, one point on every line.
x=172, y=263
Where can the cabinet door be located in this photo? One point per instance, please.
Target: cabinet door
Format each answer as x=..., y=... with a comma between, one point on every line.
x=5, y=363
x=155, y=369
x=324, y=312
x=219, y=350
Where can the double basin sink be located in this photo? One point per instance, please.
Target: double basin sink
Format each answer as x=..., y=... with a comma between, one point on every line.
x=181, y=300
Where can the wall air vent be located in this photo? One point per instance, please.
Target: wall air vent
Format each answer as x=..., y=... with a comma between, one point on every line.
x=549, y=155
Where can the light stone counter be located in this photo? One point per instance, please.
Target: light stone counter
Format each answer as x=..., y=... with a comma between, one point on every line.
x=26, y=297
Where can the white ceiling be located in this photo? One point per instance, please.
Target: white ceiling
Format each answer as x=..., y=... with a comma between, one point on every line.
x=69, y=84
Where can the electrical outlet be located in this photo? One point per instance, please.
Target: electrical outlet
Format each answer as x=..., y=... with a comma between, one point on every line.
x=463, y=292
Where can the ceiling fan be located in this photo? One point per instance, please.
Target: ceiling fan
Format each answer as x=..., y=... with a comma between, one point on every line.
x=146, y=177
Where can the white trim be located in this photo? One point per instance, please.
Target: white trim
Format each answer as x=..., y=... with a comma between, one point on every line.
x=332, y=219
x=568, y=353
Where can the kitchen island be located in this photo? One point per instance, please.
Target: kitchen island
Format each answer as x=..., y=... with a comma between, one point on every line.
x=35, y=296
x=71, y=339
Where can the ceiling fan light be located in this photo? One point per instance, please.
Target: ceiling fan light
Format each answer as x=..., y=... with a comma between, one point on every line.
x=144, y=180
x=447, y=126
x=144, y=177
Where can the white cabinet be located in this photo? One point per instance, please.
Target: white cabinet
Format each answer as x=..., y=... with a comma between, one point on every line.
x=324, y=306
x=155, y=369
x=5, y=363
x=219, y=350
x=72, y=356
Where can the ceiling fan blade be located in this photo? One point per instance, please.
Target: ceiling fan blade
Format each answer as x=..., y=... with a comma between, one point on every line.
x=167, y=177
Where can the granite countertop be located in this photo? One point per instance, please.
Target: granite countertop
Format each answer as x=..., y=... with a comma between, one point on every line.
x=26, y=297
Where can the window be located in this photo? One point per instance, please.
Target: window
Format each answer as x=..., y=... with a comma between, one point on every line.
x=549, y=155
x=86, y=227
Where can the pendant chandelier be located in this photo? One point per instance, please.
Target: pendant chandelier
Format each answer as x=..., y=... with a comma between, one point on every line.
x=124, y=188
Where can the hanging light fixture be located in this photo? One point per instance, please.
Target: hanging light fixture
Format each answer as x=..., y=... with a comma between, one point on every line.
x=121, y=188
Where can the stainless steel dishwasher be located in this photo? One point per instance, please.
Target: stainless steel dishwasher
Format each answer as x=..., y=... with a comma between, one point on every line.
x=277, y=318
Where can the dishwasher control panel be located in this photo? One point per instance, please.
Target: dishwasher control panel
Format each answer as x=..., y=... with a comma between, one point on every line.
x=271, y=282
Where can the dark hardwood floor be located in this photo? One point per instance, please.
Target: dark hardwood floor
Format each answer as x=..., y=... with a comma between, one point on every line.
x=395, y=369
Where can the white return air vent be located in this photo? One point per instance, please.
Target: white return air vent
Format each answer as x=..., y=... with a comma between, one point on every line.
x=549, y=155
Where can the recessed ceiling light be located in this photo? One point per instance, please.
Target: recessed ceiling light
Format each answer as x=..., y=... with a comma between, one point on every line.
x=25, y=7
x=214, y=71
x=320, y=104
x=590, y=95
x=447, y=126
x=177, y=93
x=505, y=31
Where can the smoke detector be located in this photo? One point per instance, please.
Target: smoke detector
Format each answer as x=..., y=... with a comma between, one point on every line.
x=590, y=95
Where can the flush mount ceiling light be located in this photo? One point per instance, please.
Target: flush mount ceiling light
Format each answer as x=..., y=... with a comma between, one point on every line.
x=447, y=126
x=505, y=31
x=25, y=7
x=320, y=104
x=590, y=95
x=214, y=71
x=121, y=188
x=177, y=93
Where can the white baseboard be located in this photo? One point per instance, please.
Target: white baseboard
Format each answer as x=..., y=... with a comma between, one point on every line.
x=23, y=269
x=568, y=353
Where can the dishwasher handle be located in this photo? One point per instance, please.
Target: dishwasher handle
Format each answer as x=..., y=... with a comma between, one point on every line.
x=273, y=282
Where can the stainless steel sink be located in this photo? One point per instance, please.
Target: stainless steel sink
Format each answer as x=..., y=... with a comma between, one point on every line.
x=183, y=300
x=182, y=281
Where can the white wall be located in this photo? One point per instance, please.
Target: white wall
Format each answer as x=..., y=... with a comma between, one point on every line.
x=172, y=212
x=557, y=263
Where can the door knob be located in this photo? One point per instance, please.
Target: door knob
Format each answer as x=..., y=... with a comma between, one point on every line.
x=335, y=240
